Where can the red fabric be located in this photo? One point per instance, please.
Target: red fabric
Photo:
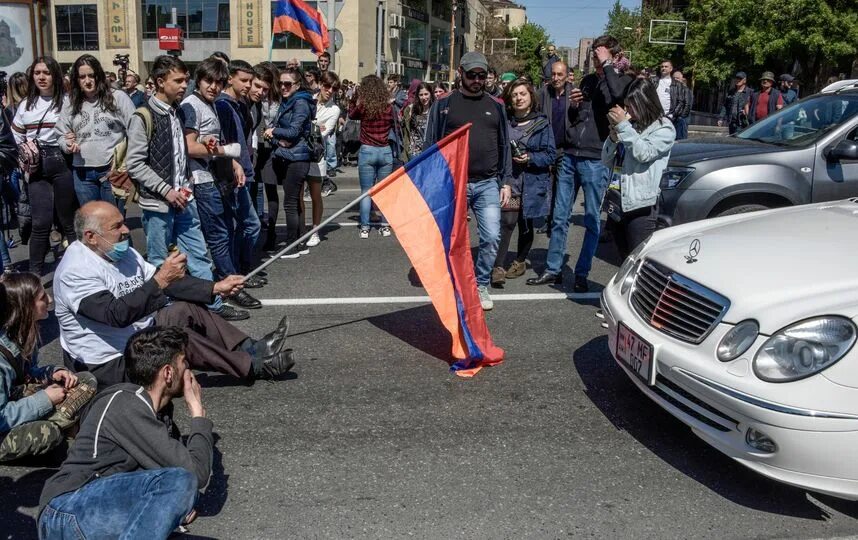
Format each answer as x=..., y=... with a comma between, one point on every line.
x=373, y=131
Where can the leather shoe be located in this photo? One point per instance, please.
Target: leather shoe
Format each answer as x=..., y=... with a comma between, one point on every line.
x=255, y=282
x=581, y=285
x=272, y=343
x=546, y=279
x=244, y=300
x=229, y=313
x=275, y=365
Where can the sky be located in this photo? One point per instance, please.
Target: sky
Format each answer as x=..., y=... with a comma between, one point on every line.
x=567, y=21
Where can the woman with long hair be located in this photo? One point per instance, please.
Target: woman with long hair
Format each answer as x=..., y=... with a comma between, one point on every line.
x=92, y=123
x=638, y=150
x=375, y=158
x=292, y=153
x=36, y=403
x=51, y=187
x=415, y=117
x=533, y=153
x=440, y=90
x=17, y=92
x=264, y=164
x=327, y=115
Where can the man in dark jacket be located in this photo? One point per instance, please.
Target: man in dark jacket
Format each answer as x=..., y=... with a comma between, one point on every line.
x=554, y=102
x=105, y=292
x=490, y=160
x=671, y=93
x=765, y=101
x=549, y=61
x=125, y=475
x=680, y=121
x=734, y=112
x=581, y=166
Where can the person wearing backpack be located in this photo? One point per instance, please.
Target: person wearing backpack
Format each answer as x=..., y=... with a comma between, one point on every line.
x=533, y=153
x=157, y=163
x=292, y=156
x=92, y=123
x=51, y=188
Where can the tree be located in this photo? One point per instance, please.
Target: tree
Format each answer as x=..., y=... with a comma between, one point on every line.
x=530, y=36
x=810, y=38
x=496, y=28
x=631, y=28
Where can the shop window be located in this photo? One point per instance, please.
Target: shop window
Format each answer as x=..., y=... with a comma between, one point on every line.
x=77, y=27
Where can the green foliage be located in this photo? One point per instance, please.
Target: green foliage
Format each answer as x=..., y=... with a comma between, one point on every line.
x=635, y=40
x=529, y=37
x=758, y=35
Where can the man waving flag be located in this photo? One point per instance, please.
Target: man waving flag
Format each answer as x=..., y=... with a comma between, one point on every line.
x=296, y=17
x=425, y=203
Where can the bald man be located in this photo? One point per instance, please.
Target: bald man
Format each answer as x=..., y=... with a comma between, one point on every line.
x=105, y=292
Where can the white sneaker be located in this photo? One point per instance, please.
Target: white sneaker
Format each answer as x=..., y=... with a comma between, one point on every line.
x=485, y=299
x=314, y=240
x=364, y=234
x=384, y=231
x=307, y=197
x=303, y=250
x=291, y=255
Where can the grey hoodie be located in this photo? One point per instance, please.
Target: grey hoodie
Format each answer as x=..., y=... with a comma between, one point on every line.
x=96, y=130
x=121, y=433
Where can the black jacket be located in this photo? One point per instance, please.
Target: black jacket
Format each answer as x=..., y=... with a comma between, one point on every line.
x=588, y=120
x=121, y=433
x=544, y=97
x=8, y=148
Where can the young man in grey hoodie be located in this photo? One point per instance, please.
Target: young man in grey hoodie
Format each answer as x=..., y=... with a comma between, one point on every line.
x=124, y=461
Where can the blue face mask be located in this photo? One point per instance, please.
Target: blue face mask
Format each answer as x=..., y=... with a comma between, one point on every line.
x=118, y=251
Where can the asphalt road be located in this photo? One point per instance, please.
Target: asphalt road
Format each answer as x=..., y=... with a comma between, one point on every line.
x=373, y=437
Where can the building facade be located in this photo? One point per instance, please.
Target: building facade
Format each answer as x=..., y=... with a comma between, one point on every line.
x=415, y=34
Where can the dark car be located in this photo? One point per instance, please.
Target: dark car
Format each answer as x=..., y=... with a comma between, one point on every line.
x=806, y=152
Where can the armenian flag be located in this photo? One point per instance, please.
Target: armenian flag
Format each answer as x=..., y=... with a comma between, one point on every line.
x=426, y=204
x=296, y=17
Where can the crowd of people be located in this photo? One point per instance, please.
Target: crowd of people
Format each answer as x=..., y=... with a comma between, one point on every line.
x=205, y=156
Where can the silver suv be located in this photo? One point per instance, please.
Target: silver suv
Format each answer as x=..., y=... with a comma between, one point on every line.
x=806, y=152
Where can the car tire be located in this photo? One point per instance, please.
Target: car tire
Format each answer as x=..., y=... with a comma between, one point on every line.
x=742, y=209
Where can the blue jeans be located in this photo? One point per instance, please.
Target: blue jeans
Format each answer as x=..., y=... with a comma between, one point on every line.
x=330, y=151
x=243, y=217
x=575, y=173
x=90, y=184
x=375, y=163
x=183, y=229
x=681, y=126
x=135, y=505
x=484, y=201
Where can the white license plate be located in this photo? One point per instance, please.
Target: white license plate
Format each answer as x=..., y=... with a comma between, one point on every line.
x=635, y=352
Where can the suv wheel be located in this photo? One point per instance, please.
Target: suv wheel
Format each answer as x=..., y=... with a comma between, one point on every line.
x=742, y=209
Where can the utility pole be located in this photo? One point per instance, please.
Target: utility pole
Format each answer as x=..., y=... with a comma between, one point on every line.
x=452, y=71
x=332, y=24
x=378, y=38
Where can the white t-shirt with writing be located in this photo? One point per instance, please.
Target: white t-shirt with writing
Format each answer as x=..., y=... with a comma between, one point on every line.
x=664, y=92
x=82, y=273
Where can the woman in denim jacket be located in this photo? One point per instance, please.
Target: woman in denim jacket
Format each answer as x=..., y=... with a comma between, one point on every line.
x=36, y=403
x=637, y=150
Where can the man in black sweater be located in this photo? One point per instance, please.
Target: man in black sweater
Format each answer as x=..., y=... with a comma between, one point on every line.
x=125, y=475
x=105, y=292
x=586, y=125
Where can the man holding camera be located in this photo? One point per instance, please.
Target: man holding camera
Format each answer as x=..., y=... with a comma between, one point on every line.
x=586, y=128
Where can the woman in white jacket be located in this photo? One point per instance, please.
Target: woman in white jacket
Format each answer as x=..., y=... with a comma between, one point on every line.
x=637, y=152
x=327, y=115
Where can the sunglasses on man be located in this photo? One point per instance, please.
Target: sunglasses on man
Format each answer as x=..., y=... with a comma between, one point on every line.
x=474, y=75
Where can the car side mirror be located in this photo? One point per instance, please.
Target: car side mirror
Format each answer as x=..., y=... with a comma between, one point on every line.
x=844, y=151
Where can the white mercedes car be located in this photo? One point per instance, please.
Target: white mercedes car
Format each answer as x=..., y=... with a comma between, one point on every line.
x=744, y=328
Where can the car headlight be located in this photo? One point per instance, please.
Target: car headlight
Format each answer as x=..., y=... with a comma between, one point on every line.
x=805, y=348
x=738, y=340
x=673, y=176
x=626, y=273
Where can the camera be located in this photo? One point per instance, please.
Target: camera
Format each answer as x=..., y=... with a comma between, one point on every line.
x=121, y=60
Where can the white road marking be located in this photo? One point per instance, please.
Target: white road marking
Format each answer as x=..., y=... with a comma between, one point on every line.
x=357, y=300
x=331, y=225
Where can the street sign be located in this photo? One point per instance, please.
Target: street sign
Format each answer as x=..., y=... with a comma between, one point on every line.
x=170, y=39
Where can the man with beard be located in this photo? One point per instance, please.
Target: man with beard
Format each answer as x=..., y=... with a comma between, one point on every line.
x=490, y=163
x=125, y=474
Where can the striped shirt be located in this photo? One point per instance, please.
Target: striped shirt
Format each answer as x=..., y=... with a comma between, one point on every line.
x=26, y=121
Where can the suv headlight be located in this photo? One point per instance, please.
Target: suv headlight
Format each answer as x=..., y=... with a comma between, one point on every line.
x=673, y=176
x=804, y=349
x=626, y=273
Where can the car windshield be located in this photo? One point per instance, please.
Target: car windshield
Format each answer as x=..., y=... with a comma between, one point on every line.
x=804, y=121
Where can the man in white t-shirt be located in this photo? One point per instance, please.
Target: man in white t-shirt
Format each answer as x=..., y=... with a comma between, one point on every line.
x=105, y=292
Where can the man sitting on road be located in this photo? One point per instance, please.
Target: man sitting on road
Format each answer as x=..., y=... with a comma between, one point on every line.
x=105, y=292
x=125, y=475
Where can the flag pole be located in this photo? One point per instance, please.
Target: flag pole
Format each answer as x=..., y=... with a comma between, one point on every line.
x=307, y=235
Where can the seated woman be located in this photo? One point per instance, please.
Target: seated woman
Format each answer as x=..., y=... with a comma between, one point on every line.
x=37, y=404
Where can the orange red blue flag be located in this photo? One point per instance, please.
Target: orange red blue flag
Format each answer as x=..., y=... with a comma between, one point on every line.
x=425, y=202
x=298, y=18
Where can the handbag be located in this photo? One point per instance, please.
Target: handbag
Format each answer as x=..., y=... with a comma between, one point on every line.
x=613, y=202
x=315, y=144
x=30, y=152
